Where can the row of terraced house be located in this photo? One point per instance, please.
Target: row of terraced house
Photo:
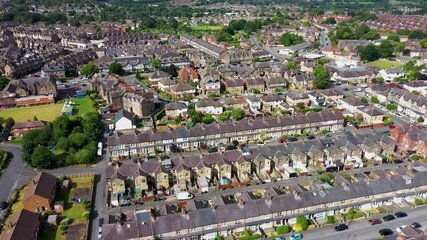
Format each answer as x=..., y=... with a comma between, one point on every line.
x=268, y=208
x=126, y=145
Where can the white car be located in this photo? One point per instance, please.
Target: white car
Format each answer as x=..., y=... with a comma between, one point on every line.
x=399, y=229
x=10, y=138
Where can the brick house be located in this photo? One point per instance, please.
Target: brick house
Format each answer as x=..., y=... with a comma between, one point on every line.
x=41, y=193
x=410, y=137
x=20, y=128
x=23, y=225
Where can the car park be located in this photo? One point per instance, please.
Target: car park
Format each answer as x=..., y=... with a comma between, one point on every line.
x=341, y=227
x=401, y=214
x=388, y=218
x=375, y=221
x=385, y=232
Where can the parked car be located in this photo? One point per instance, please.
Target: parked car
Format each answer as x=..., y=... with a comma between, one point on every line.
x=295, y=236
x=415, y=225
x=184, y=195
x=10, y=138
x=398, y=161
x=261, y=144
x=281, y=140
x=399, y=229
x=385, y=232
x=341, y=227
x=388, y=218
x=375, y=221
x=100, y=223
x=311, y=137
x=292, y=139
x=3, y=205
x=401, y=214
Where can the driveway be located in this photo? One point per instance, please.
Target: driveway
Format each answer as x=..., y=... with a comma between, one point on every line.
x=16, y=173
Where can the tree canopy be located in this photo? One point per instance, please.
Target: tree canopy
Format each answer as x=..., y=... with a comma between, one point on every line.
x=89, y=69
x=369, y=53
x=116, y=68
x=321, y=77
x=289, y=39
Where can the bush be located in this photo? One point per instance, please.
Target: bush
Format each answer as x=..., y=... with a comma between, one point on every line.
x=359, y=215
x=303, y=222
x=312, y=226
x=283, y=229
x=331, y=220
x=62, y=228
x=419, y=201
x=86, y=215
x=86, y=204
x=65, y=221
x=297, y=228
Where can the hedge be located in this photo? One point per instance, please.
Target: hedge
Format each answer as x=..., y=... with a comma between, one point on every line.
x=283, y=229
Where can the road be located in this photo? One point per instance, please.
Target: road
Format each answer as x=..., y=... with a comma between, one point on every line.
x=210, y=195
x=16, y=173
x=361, y=230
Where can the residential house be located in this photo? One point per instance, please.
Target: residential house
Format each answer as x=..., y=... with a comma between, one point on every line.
x=40, y=193
x=155, y=77
x=416, y=86
x=188, y=74
x=166, y=83
x=389, y=74
x=209, y=81
x=115, y=180
x=271, y=101
x=174, y=109
x=55, y=70
x=141, y=104
x=123, y=120
x=302, y=81
x=371, y=116
x=157, y=175
x=181, y=90
x=350, y=104
x=22, y=225
x=295, y=49
x=292, y=98
x=273, y=83
x=331, y=94
x=20, y=128
x=209, y=106
x=254, y=84
x=234, y=87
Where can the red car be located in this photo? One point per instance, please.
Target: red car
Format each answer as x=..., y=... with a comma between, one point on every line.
x=391, y=126
x=375, y=221
x=281, y=140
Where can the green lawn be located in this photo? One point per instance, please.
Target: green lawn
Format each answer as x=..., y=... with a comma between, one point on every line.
x=83, y=105
x=75, y=212
x=382, y=64
x=44, y=112
x=206, y=28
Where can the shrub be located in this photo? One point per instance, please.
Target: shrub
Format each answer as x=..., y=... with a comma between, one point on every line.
x=331, y=220
x=283, y=229
x=297, y=228
x=303, y=222
x=62, y=228
x=312, y=226
x=359, y=215
x=65, y=221
x=86, y=215
x=419, y=201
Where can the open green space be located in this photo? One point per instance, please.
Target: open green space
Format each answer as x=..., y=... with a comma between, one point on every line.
x=206, y=28
x=44, y=112
x=83, y=105
x=382, y=64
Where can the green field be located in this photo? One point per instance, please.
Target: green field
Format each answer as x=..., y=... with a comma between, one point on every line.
x=206, y=28
x=382, y=64
x=83, y=105
x=45, y=112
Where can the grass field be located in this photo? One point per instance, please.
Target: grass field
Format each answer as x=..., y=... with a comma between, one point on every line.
x=382, y=64
x=45, y=112
x=206, y=28
x=83, y=105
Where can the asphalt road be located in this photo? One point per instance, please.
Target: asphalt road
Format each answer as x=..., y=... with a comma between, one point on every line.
x=362, y=230
x=16, y=173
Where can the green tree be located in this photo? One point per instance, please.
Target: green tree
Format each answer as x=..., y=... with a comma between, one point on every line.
x=391, y=107
x=208, y=119
x=375, y=100
x=89, y=69
x=63, y=143
x=386, y=49
x=87, y=155
x=77, y=140
x=289, y=39
x=417, y=34
x=394, y=37
x=364, y=100
x=303, y=222
x=369, y=53
x=423, y=43
x=61, y=127
x=194, y=115
x=92, y=126
x=116, y=68
x=3, y=81
x=9, y=124
x=172, y=71
x=291, y=65
x=412, y=70
x=330, y=20
x=420, y=119
x=238, y=114
x=224, y=116
x=321, y=77
x=43, y=158
x=32, y=139
x=155, y=63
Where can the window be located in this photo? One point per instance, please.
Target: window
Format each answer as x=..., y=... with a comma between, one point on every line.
x=178, y=231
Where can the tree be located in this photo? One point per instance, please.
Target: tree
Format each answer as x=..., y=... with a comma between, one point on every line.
x=172, y=71
x=321, y=77
x=155, y=63
x=364, y=100
x=32, y=139
x=303, y=222
x=412, y=70
x=375, y=100
x=92, y=126
x=423, y=43
x=289, y=39
x=386, y=49
x=87, y=155
x=43, y=158
x=394, y=37
x=391, y=107
x=89, y=69
x=238, y=114
x=61, y=127
x=3, y=81
x=9, y=124
x=369, y=53
x=417, y=34
x=291, y=65
x=63, y=143
x=330, y=20
x=224, y=116
x=77, y=140
x=116, y=68
x=194, y=115
x=208, y=119
x=420, y=119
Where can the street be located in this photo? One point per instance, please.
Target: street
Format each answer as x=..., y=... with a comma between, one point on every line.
x=16, y=173
x=362, y=230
